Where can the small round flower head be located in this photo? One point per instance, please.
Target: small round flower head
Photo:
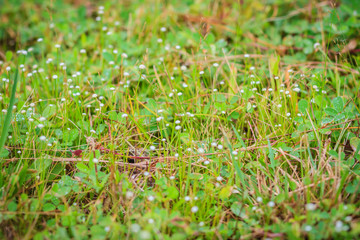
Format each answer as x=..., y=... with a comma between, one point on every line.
x=129, y=194
x=124, y=115
x=316, y=45
x=163, y=29
x=310, y=206
x=135, y=228
x=151, y=198
x=187, y=198
x=246, y=55
x=42, y=138
x=107, y=229
x=194, y=209
x=271, y=204
x=178, y=127
x=95, y=160
x=142, y=66
x=145, y=235
x=339, y=226
x=259, y=199
x=42, y=119
x=201, y=224
x=152, y=148
x=219, y=178
x=307, y=228
x=40, y=125
x=201, y=150
x=220, y=147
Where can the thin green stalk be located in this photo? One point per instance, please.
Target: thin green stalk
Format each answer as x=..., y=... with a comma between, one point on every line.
x=7, y=121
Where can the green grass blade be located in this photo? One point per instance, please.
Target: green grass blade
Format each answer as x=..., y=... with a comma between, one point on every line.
x=5, y=130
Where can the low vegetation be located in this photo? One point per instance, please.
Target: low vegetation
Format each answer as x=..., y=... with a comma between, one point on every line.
x=179, y=120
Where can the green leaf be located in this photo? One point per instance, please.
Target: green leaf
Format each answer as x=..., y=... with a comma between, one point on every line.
x=338, y=104
x=8, y=56
x=303, y=105
x=225, y=192
x=234, y=115
x=49, y=207
x=12, y=206
x=355, y=144
x=4, y=153
x=49, y=111
x=236, y=208
x=172, y=192
x=331, y=111
x=108, y=56
x=83, y=168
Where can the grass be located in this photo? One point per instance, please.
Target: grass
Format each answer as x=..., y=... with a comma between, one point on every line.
x=180, y=120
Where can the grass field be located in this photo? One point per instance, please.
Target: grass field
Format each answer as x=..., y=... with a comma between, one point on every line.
x=179, y=119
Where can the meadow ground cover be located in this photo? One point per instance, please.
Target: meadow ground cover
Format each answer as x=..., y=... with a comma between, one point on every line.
x=179, y=119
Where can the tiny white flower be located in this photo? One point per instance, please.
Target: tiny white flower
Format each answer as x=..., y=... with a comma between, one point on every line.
x=42, y=138
x=152, y=148
x=310, y=206
x=259, y=199
x=307, y=228
x=220, y=147
x=316, y=45
x=201, y=150
x=194, y=209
